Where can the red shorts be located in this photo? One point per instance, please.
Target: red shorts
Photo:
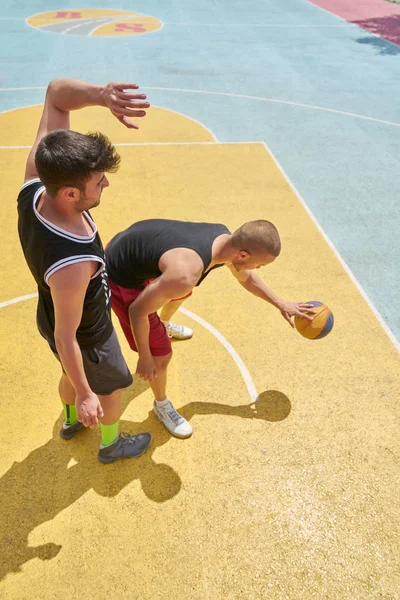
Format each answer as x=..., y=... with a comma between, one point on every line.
x=121, y=299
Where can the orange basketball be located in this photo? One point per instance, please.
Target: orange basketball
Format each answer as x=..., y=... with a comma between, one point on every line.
x=320, y=325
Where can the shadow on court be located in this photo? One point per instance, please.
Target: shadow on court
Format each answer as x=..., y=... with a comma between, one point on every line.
x=386, y=27
x=382, y=46
x=37, y=489
x=270, y=405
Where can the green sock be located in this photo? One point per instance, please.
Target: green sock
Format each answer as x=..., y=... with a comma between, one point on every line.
x=109, y=433
x=70, y=413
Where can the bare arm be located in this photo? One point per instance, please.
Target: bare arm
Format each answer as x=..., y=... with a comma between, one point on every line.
x=68, y=288
x=153, y=297
x=64, y=95
x=253, y=284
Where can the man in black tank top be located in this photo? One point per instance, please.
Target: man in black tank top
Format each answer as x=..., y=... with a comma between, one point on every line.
x=65, y=176
x=155, y=264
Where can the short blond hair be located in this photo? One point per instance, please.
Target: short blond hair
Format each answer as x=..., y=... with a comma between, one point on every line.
x=257, y=236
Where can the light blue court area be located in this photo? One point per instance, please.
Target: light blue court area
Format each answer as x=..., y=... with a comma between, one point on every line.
x=321, y=93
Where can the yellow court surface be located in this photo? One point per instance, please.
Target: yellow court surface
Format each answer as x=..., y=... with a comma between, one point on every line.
x=95, y=22
x=48, y=18
x=290, y=478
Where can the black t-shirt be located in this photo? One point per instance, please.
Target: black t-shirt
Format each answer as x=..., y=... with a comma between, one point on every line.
x=48, y=248
x=133, y=255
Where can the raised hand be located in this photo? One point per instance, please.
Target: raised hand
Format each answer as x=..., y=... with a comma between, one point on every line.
x=123, y=104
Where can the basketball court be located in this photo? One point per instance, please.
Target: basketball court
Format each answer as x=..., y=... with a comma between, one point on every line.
x=288, y=488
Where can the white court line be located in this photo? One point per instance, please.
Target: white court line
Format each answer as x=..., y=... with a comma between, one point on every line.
x=100, y=22
x=175, y=112
x=345, y=266
x=72, y=20
x=37, y=87
x=111, y=20
x=13, y=147
x=274, y=100
x=127, y=19
x=121, y=17
x=290, y=25
x=138, y=15
x=81, y=24
x=239, y=362
x=242, y=367
x=190, y=118
x=85, y=21
x=246, y=97
x=19, y=299
x=124, y=13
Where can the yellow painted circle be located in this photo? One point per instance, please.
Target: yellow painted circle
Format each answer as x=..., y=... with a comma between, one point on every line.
x=19, y=126
x=94, y=22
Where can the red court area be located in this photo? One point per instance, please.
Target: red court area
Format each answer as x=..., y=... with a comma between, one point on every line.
x=377, y=16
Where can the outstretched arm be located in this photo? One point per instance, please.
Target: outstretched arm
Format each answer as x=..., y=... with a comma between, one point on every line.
x=253, y=284
x=64, y=95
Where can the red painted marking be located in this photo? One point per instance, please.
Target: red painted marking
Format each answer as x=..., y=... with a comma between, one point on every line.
x=377, y=16
x=136, y=28
x=67, y=15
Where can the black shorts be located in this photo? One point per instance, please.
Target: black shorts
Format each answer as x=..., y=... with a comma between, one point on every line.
x=104, y=365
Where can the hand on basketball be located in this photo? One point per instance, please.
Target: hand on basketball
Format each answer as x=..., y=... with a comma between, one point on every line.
x=89, y=409
x=296, y=309
x=123, y=104
x=146, y=368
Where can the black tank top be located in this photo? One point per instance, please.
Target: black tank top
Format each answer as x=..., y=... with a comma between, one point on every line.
x=133, y=255
x=48, y=248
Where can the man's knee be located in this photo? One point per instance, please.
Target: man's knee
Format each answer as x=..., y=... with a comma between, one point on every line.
x=163, y=361
x=115, y=396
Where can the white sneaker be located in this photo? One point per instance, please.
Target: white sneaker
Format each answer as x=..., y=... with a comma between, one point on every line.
x=178, y=332
x=172, y=420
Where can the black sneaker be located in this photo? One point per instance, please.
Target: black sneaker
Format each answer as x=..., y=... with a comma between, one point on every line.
x=70, y=431
x=125, y=446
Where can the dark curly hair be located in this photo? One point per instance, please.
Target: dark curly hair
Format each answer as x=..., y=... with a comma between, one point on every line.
x=67, y=158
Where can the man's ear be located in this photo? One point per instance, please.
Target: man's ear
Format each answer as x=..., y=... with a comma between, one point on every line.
x=243, y=254
x=69, y=193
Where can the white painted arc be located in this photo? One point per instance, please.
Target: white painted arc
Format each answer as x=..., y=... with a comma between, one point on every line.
x=228, y=346
x=82, y=24
x=127, y=19
x=189, y=117
x=244, y=96
x=273, y=100
x=19, y=299
x=175, y=112
x=239, y=362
